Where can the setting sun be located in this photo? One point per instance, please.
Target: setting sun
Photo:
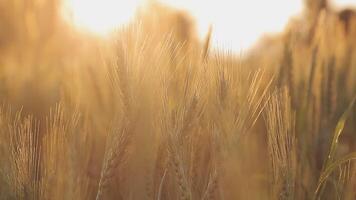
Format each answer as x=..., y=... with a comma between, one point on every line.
x=231, y=28
x=237, y=25
x=100, y=16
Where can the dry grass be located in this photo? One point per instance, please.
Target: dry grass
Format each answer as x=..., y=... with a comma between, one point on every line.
x=282, y=145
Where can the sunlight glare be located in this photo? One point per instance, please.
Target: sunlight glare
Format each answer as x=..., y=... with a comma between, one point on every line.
x=344, y=3
x=101, y=16
x=238, y=24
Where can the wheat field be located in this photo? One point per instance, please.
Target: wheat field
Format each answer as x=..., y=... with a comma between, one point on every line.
x=155, y=113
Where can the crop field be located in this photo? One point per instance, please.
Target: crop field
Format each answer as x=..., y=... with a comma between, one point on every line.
x=153, y=112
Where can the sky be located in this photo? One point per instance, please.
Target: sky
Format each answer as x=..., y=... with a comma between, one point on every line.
x=345, y=2
x=237, y=24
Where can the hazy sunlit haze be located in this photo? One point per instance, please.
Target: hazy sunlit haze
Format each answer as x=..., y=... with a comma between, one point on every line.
x=237, y=25
x=100, y=16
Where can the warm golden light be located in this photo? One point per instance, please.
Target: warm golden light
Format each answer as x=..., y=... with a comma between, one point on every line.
x=100, y=16
x=237, y=24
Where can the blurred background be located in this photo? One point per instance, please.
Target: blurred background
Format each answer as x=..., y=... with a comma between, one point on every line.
x=237, y=25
